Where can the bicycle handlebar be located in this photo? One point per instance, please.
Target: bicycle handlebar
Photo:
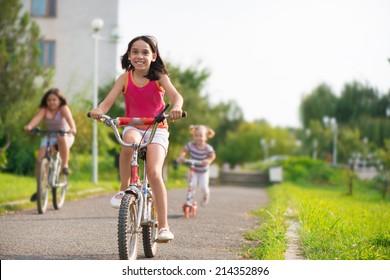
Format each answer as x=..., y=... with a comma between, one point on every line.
x=195, y=162
x=125, y=121
x=37, y=130
x=114, y=123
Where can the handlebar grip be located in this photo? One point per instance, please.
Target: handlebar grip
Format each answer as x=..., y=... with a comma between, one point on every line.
x=184, y=114
x=89, y=114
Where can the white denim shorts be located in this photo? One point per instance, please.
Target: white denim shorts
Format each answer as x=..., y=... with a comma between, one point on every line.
x=53, y=140
x=161, y=137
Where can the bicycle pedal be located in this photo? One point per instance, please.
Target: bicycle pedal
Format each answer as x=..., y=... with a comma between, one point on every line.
x=162, y=241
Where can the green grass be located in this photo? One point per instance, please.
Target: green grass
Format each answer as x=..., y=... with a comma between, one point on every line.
x=15, y=191
x=334, y=226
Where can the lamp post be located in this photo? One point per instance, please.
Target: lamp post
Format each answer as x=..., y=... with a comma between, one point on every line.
x=332, y=123
x=314, y=142
x=266, y=144
x=96, y=25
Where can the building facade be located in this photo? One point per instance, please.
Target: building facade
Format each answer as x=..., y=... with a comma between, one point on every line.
x=67, y=44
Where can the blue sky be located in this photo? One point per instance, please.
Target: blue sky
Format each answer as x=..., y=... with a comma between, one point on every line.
x=267, y=55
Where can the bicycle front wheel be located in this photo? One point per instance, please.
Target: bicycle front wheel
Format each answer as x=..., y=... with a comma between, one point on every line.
x=127, y=228
x=43, y=185
x=59, y=191
x=149, y=232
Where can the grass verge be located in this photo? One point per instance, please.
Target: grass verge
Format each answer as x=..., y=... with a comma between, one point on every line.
x=334, y=226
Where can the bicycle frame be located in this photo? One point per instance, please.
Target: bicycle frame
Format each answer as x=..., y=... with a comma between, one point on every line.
x=48, y=176
x=54, y=158
x=144, y=192
x=136, y=212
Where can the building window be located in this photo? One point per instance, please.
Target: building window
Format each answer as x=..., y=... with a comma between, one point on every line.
x=43, y=8
x=47, y=53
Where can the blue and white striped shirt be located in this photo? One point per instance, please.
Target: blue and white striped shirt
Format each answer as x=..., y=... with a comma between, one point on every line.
x=199, y=154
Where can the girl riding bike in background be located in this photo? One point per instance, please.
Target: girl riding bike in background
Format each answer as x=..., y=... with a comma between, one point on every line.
x=199, y=149
x=57, y=116
x=143, y=86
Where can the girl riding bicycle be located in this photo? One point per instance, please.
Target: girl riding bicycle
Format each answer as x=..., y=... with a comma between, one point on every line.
x=57, y=116
x=143, y=86
x=199, y=149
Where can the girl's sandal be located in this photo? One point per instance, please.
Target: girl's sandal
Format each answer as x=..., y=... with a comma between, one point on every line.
x=117, y=199
x=164, y=235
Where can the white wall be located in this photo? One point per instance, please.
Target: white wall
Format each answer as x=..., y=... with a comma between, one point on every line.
x=71, y=30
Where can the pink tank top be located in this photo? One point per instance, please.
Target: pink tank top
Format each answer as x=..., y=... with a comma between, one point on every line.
x=143, y=101
x=57, y=123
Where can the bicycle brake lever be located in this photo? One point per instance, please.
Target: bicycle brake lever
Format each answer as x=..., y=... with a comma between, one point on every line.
x=160, y=117
x=109, y=122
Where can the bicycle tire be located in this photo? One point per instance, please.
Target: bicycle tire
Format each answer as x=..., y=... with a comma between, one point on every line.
x=149, y=234
x=127, y=231
x=43, y=185
x=59, y=192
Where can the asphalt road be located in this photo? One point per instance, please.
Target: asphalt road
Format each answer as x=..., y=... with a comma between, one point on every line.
x=87, y=229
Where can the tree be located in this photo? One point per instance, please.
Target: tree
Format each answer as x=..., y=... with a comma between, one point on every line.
x=22, y=78
x=243, y=145
x=357, y=100
x=319, y=103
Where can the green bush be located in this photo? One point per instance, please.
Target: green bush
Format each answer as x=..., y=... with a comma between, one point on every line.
x=306, y=169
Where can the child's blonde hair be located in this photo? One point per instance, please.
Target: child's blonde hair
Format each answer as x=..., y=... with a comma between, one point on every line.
x=209, y=131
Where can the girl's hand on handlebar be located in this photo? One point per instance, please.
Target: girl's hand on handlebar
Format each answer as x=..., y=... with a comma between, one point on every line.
x=180, y=159
x=96, y=113
x=27, y=128
x=175, y=113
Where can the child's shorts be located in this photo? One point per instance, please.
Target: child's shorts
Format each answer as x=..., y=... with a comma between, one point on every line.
x=53, y=140
x=161, y=137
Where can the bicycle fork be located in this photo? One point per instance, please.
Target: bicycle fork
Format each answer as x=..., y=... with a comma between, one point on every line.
x=144, y=205
x=55, y=164
x=55, y=172
x=144, y=209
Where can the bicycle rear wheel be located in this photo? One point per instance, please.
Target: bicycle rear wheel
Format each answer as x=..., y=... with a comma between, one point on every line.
x=43, y=185
x=149, y=233
x=127, y=228
x=59, y=191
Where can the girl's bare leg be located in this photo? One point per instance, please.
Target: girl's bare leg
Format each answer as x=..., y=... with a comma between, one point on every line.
x=63, y=147
x=41, y=154
x=154, y=165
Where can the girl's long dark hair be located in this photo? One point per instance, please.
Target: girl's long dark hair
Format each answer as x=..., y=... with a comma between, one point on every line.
x=57, y=93
x=156, y=68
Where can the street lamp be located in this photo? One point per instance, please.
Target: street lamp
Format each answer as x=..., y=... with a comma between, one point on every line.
x=314, y=142
x=97, y=25
x=266, y=144
x=332, y=123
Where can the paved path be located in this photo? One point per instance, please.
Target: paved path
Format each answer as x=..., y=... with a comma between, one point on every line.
x=87, y=229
